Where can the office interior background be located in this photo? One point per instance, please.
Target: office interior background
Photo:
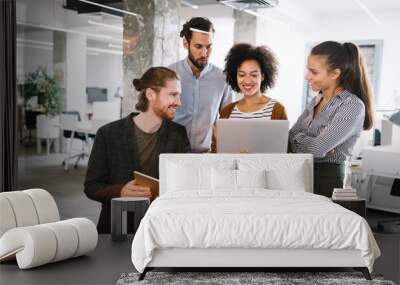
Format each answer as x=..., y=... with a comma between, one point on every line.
x=87, y=53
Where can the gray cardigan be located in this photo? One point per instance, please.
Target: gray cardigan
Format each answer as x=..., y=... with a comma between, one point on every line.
x=114, y=157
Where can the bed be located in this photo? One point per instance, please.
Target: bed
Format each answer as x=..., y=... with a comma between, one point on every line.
x=247, y=210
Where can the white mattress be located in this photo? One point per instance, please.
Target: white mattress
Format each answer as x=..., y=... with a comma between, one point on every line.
x=252, y=218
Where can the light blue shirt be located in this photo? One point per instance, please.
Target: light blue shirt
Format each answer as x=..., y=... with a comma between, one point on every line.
x=201, y=99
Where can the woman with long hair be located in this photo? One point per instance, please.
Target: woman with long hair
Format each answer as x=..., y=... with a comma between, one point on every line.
x=332, y=122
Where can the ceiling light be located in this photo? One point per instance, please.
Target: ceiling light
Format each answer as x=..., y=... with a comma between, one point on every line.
x=113, y=27
x=92, y=53
x=115, y=46
x=368, y=12
x=104, y=50
x=268, y=19
x=110, y=8
x=22, y=40
x=188, y=4
x=249, y=4
x=27, y=45
x=41, y=26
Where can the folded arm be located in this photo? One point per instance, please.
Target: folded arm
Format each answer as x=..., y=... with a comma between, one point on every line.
x=344, y=125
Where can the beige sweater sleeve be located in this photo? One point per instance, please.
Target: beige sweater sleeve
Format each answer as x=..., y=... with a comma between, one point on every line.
x=279, y=112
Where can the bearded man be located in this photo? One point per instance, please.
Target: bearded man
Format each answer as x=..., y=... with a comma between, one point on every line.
x=204, y=89
x=134, y=144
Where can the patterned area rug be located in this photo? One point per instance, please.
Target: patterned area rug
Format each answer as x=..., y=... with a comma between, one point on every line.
x=269, y=278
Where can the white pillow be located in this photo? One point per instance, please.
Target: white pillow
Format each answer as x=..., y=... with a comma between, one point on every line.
x=228, y=179
x=282, y=173
x=291, y=179
x=251, y=178
x=224, y=179
x=188, y=177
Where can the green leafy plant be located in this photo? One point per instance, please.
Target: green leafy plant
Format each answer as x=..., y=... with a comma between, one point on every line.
x=46, y=88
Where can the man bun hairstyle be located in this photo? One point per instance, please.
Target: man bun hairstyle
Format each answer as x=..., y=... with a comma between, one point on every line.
x=198, y=23
x=353, y=73
x=261, y=54
x=137, y=84
x=154, y=78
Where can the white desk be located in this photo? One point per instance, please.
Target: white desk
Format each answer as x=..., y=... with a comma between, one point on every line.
x=88, y=128
x=382, y=161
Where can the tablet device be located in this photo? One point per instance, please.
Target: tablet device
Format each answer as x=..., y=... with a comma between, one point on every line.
x=252, y=135
x=148, y=181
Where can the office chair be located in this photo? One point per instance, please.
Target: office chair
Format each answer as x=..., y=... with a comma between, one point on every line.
x=69, y=125
x=46, y=129
x=30, y=126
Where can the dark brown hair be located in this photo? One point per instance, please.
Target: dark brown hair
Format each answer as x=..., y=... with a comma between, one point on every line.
x=154, y=78
x=242, y=52
x=199, y=23
x=353, y=74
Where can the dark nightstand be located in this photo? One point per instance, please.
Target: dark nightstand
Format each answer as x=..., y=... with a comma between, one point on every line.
x=119, y=208
x=357, y=206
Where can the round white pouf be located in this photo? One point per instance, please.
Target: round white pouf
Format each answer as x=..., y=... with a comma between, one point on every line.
x=46, y=207
x=6, y=215
x=40, y=244
x=23, y=208
x=33, y=246
x=87, y=234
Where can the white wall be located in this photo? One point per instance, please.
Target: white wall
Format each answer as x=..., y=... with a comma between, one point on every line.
x=76, y=73
x=30, y=58
x=105, y=71
x=288, y=46
x=31, y=55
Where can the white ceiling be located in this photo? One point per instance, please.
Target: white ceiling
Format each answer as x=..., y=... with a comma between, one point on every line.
x=298, y=11
x=323, y=7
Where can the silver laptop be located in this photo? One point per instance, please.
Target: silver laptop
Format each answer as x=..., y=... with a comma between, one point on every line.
x=252, y=135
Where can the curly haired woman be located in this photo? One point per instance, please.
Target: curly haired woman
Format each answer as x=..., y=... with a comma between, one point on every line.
x=251, y=71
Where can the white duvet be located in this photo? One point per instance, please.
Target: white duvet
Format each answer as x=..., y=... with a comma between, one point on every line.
x=250, y=219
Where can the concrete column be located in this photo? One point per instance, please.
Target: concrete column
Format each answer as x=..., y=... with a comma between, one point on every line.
x=151, y=39
x=245, y=29
x=69, y=56
x=76, y=71
x=60, y=61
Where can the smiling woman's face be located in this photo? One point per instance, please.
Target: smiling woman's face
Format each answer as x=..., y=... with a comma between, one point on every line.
x=249, y=77
x=318, y=75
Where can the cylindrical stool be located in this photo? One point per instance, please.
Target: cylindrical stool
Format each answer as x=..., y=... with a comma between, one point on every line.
x=119, y=208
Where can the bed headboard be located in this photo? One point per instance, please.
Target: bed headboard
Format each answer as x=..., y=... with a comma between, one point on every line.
x=301, y=165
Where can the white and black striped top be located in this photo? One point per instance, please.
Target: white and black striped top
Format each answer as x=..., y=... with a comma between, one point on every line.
x=264, y=112
x=337, y=127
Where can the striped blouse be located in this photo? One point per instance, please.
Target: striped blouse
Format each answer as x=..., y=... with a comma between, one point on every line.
x=337, y=127
x=264, y=112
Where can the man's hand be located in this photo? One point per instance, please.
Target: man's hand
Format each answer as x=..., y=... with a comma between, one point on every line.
x=132, y=190
x=331, y=152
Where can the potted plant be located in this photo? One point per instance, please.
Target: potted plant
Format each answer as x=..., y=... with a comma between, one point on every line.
x=47, y=89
